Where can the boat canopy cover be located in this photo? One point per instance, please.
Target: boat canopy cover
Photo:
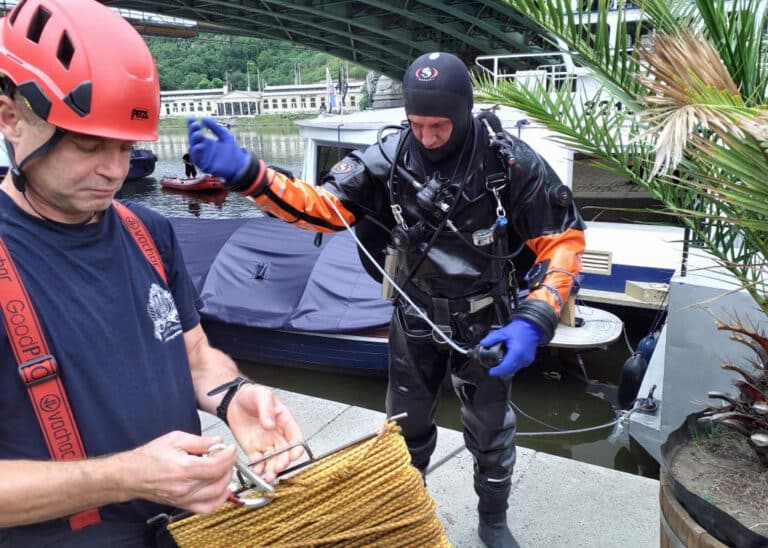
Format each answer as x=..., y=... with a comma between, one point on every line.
x=263, y=272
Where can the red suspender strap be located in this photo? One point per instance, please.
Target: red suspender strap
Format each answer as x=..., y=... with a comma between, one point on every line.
x=141, y=235
x=39, y=373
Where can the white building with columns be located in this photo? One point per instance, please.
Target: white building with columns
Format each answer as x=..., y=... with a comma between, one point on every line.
x=223, y=103
x=189, y=102
x=309, y=98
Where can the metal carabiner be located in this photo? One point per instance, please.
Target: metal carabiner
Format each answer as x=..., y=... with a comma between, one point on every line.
x=501, y=213
x=397, y=213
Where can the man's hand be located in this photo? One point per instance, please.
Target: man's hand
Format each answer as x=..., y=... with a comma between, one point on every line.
x=521, y=337
x=221, y=156
x=175, y=469
x=262, y=423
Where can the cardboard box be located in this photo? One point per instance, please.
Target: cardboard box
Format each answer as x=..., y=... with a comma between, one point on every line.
x=648, y=292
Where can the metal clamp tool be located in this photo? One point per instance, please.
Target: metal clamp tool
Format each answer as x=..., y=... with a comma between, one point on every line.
x=249, y=479
x=240, y=497
x=251, y=483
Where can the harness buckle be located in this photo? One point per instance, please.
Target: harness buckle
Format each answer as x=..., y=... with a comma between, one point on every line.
x=38, y=370
x=496, y=181
x=445, y=330
x=479, y=303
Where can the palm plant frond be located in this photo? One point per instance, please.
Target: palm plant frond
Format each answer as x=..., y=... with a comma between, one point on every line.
x=699, y=139
x=684, y=100
x=699, y=143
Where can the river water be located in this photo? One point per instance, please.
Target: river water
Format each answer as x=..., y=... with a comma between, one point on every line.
x=550, y=395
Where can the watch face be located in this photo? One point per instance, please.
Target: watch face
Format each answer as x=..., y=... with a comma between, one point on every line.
x=532, y=273
x=535, y=275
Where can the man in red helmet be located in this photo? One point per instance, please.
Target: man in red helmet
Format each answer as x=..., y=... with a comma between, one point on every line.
x=104, y=361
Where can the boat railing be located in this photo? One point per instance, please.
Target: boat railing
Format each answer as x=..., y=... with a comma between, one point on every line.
x=550, y=76
x=496, y=67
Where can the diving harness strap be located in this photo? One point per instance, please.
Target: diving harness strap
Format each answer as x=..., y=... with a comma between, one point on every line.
x=440, y=309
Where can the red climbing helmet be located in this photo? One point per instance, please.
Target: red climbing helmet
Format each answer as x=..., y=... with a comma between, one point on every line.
x=81, y=67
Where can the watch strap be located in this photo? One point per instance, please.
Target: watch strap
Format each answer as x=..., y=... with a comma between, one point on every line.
x=227, y=385
x=230, y=389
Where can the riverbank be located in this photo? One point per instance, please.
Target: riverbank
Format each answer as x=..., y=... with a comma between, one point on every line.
x=554, y=501
x=287, y=121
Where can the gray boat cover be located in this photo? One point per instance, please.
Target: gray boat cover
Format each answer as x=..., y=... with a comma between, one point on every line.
x=262, y=272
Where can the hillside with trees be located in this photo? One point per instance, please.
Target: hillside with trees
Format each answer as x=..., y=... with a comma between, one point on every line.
x=210, y=60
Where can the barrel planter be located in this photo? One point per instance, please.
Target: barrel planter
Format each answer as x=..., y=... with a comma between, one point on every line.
x=689, y=520
x=678, y=528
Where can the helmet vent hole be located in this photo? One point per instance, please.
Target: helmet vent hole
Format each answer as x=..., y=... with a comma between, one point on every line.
x=17, y=11
x=37, y=25
x=66, y=51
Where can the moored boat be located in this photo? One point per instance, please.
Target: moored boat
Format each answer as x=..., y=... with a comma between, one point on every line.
x=271, y=295
x=204, y=183
x=216, y=197
x=625, y=265
x=143, y=162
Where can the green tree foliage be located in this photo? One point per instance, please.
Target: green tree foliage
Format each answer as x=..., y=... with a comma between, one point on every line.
x=213, y=59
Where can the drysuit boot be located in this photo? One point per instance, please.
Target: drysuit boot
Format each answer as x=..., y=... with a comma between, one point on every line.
x=492, y=509
x=494, y=532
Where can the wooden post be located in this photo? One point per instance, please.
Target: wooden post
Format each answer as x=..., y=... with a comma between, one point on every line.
x=568, y=313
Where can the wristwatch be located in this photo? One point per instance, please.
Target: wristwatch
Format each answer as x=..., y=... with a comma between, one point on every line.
x=231, y=389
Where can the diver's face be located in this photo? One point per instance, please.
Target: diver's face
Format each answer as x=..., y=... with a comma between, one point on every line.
x=431, y=131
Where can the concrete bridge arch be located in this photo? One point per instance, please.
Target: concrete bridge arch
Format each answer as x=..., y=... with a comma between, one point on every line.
x=383, y=35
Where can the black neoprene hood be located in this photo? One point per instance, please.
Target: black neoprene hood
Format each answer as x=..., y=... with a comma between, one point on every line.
x=438, y=84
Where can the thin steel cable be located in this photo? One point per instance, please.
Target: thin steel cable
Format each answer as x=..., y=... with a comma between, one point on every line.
x=450, y=342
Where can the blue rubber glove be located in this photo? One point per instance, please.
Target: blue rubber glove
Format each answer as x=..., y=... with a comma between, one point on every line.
x=521, y=337
x=221, y=156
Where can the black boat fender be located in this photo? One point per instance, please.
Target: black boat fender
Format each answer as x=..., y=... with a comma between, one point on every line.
x=630, y=379
x=647, y=345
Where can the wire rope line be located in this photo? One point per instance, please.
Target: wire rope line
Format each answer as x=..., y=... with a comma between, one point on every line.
x=608, y=424
x=458, y=450
x=533, y=419
x=626, y=338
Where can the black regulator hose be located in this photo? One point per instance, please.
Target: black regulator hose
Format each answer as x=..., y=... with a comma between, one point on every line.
x=403, y=173
x=487, y=356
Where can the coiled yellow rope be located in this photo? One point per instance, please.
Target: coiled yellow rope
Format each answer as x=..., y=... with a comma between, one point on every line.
x=364, y=495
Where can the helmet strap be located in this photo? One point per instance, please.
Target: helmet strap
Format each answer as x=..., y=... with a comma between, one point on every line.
x=19, y=179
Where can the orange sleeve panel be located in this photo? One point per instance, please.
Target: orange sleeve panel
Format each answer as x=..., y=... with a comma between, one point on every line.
x=302, y=204
x=564, y=251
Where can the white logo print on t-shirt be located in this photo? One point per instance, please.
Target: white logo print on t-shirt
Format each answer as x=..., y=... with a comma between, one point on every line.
x=162, y=311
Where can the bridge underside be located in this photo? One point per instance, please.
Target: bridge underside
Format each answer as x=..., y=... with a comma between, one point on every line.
x=383, y=35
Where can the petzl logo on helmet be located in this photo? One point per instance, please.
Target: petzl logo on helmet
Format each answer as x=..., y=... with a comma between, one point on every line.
x=426, y=74
x=139, y=113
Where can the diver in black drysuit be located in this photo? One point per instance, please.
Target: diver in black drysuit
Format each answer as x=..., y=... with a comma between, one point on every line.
x=452, y=276
x=472, y=208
